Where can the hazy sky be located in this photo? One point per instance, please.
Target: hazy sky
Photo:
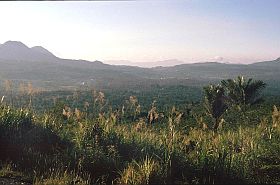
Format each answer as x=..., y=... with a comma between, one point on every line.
x=146, y=31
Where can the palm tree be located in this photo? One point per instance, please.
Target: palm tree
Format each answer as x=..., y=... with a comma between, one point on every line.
x=244, y=92
x=215, y=103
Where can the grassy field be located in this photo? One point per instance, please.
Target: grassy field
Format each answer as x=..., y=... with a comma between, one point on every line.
x=125, y=137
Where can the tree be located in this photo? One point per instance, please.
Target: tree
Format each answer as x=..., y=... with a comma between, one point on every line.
x=244, y=92
x=215, y=103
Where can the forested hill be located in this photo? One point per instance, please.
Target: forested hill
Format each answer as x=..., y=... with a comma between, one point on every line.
x=19, y=63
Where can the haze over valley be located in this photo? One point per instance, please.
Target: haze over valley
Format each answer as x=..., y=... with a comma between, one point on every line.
x=19, y=62
x=140, y=92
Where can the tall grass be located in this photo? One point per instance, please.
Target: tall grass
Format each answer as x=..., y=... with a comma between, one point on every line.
x=70, y=145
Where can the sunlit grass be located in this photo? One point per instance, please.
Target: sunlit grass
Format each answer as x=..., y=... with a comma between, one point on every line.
x=71, y=146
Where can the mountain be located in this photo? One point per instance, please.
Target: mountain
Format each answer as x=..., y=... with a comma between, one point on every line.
x=120, y=62
x=15, y=50
x=42, y=50
x=163, y=63
x=273, y=63
x=20, y=63
x=39, y=66
x=216, y=71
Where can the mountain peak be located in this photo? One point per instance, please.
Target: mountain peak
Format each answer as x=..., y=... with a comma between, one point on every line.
x=14, y=44
x=16, y=50
x=42, y=50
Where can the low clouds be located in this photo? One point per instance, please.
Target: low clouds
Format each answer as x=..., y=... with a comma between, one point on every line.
x=218, y=58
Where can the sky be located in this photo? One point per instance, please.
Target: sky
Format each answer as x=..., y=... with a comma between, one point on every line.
x=234, y=31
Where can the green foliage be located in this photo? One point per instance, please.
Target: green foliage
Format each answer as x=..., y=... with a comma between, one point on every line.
x=244, y=92
x=215, y=102
x=240, y=92
x=78, y=143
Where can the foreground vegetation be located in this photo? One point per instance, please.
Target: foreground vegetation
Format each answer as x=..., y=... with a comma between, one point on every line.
x=222, y=139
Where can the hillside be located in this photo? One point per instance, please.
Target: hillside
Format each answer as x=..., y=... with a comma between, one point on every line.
x=169, y=134
x=214, y=70
x=18, y=62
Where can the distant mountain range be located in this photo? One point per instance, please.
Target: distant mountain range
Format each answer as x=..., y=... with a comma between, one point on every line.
x=39, y=66
x=163, y=63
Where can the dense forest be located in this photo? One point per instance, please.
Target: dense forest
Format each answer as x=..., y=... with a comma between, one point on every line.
x=223, y=132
